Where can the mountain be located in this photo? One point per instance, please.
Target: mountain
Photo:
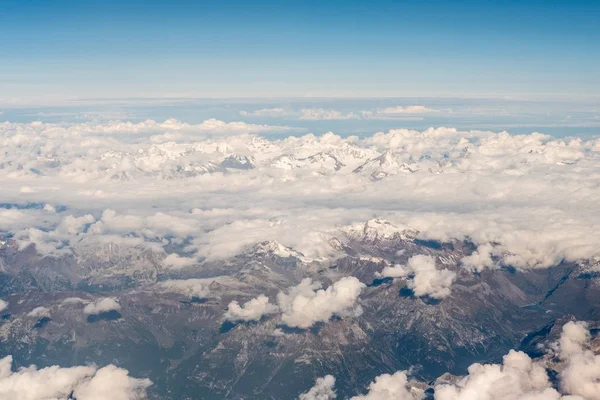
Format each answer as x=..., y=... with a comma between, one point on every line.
x=187, y=348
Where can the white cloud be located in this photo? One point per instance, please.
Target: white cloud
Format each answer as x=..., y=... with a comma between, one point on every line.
x=306, y=304
x=39, y=312
x=388, y=387
x=521, y=378
x=518, y=377
x=85, y=383
x=407, y=110
x=581, y=375
x=3, y=305
x=176, y=261
x=11, y=217
x=574, y=337
x=73, y=300
x=112, y=383
x=530, y=197
x=322, y=390
x=480, y=258
x=189, y=287
x=398, y=112
x=322, y=114
x=394, y=271
x=426, y=279
x=252, y=310
x=102, y=305
x=266, y=112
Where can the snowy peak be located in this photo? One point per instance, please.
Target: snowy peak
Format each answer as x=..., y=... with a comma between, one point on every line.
x=384, y=165
x=238, y=162
x=326, y=161
x=274, y=248
x=376, y=230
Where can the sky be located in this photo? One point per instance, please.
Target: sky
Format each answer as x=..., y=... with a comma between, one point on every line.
x=54, y=51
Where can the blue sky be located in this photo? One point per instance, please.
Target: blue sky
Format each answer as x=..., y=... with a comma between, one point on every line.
x=53, y=50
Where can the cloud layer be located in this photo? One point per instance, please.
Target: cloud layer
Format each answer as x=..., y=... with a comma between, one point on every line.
x=193, y=193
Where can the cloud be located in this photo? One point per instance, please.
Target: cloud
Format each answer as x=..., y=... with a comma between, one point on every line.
x=388, y=387
x=3, y=305
x=323, y=114
x=189, y=287
x=581, y=375
x=11, y=217
x=429, y=281
x=306, y=304
x=526, y=201
x=424, y=278
x=39, y=312
x=481, y=258
x=102, y=305
x=112, y=383
x=265, y=112
x=520, y=377
x=575, y=335
x=252, y=310
x=74, y=300
x=407, y=110
x=320, y=114
x=176, y=261
x=84, y=383
x=322, y=390
x=394, y=271
x=398, y=112
x=517, y=377
x=210, y=126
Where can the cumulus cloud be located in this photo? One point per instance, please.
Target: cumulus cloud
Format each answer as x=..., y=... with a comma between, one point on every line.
x=424, y=278
x=322, y=390
x=39, y=312
x=581, y=375
x=84, y=383
x=102, y=305
x=306, y=304
x=252, y=310
x=575, y=336
x=388, y=387
x=112, y=383
x=480, y=258
x=189, y=287
x=73, y=300
x=428, y=280
x=394, y=271
x=176, y=261
x=518, y=377
x=3, y=305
